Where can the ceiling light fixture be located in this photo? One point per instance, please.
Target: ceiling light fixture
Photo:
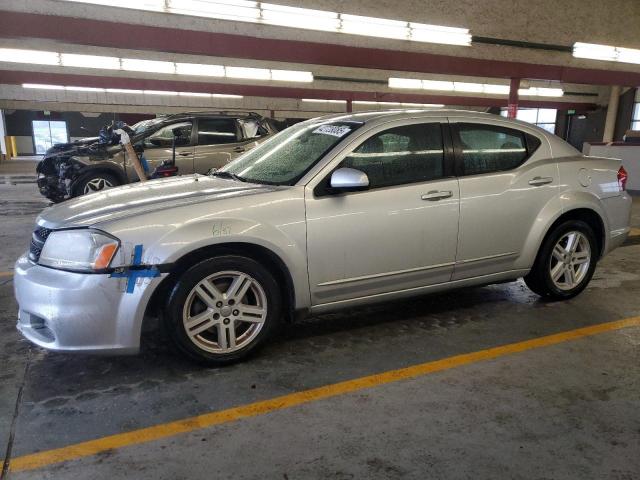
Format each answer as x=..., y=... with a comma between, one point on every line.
x=320, y=100
x=594, y=51
x=302, y=18
x=150, y=66
x=38, y=57
x=89, y=61
x=129, y=91
x=468, y=87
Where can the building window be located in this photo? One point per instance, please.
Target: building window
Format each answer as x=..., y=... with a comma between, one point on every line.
x=542, y=117
x=635, y=118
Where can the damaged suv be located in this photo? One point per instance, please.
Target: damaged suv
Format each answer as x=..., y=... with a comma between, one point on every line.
x=202, y=141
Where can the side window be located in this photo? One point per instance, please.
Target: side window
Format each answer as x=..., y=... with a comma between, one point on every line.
x=216, y=131
x=488, y=148
x=408, y=154
x=251, y=128
x=163, y=138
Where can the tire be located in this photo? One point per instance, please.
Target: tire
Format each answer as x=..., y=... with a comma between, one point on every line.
x=551, y=275
x=94, y=182
x=237, y=324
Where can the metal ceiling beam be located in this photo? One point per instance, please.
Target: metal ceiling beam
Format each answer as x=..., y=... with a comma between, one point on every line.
x=143, y=37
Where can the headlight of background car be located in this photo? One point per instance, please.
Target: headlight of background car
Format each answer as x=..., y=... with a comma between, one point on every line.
x=81, y=249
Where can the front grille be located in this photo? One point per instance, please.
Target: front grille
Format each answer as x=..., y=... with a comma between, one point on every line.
x=38, y=238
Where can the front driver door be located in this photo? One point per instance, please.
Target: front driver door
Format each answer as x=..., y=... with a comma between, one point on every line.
x=399, y=234
x=158, y=147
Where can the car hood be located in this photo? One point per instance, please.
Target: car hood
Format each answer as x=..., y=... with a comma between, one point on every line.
x=141, y=198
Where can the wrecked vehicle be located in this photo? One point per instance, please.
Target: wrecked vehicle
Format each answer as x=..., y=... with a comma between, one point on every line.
x=200, y=141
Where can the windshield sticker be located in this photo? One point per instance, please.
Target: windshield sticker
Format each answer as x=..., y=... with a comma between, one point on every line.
x=335, y=130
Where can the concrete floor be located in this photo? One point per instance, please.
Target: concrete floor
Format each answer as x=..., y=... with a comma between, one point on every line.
x=571, y=410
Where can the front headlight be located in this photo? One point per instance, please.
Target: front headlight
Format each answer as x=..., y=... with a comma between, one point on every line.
x=82, y=250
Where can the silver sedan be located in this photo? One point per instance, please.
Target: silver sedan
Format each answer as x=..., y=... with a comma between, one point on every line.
x=332, y=213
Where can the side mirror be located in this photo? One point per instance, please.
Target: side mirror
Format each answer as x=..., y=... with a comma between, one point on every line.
x=349, y=180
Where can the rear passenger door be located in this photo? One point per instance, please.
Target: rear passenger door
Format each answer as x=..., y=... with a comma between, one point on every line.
x=506, y=178
x=218, y=141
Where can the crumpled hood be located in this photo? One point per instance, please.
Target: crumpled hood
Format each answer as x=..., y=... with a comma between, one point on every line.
x=141, y=198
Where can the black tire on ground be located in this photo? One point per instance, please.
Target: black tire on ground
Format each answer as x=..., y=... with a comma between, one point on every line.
x=96, y=179
x=178, y=302
x=539, y=278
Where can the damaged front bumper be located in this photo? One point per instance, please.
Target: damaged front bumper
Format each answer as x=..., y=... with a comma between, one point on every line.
x=79, y=312
x=53, y=187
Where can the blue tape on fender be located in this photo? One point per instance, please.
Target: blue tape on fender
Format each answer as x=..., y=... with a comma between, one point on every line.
x=132, y=274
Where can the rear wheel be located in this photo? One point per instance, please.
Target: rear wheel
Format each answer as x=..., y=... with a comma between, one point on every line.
x=565, y=263
x=222, y=309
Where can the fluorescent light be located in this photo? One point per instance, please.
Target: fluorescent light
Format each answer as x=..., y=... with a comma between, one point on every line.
x=37, y=57
x=224, y=9
x=427, y=105
x=199, y=69
x=437, y=85
x=89, y=61
x=85, y=89
x=492, y=89
x=291, y=76
x=151, y=66
x=248, y=73
x=468, y=87
x=42, y=86
x=123, y=90
x=160, y=92
x=374, y=27
x=194, y=94
x=448, y=86
x=301, y=18
x=126, y=90
x=594, y=52
x=421, y=32
x=628, y=55
x=405, y=83
x=541, y=92
x=153, y=5
x=319, y=100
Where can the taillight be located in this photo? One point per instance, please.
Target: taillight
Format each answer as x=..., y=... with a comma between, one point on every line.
x=623, y=176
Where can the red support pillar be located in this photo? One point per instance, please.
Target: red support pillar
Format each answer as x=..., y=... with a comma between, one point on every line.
x=349, y=106
x=512, y=108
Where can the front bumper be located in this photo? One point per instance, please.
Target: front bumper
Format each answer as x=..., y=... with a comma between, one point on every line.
x=76, y=312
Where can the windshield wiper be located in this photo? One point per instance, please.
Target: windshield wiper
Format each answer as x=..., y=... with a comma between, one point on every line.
x=224, y=174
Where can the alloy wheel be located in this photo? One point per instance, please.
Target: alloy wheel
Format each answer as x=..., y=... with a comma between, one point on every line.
x=225, y=312
x=570, y=260
x=97, y=184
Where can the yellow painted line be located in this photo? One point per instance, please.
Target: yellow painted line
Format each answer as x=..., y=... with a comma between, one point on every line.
x=143, y=435
x=6, y=274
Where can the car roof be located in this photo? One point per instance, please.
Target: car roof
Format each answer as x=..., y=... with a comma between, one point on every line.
x=383, y=116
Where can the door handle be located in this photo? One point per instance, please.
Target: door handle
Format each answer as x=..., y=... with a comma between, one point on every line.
x=437, y=195
x=538, y=181
x=238, y=149
x=184, y=154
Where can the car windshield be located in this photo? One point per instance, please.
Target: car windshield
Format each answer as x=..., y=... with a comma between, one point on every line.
x=285, y=158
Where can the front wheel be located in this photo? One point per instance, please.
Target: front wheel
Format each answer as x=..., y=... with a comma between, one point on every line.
x=94, y=182
x=565, y=263
x=222, y=309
